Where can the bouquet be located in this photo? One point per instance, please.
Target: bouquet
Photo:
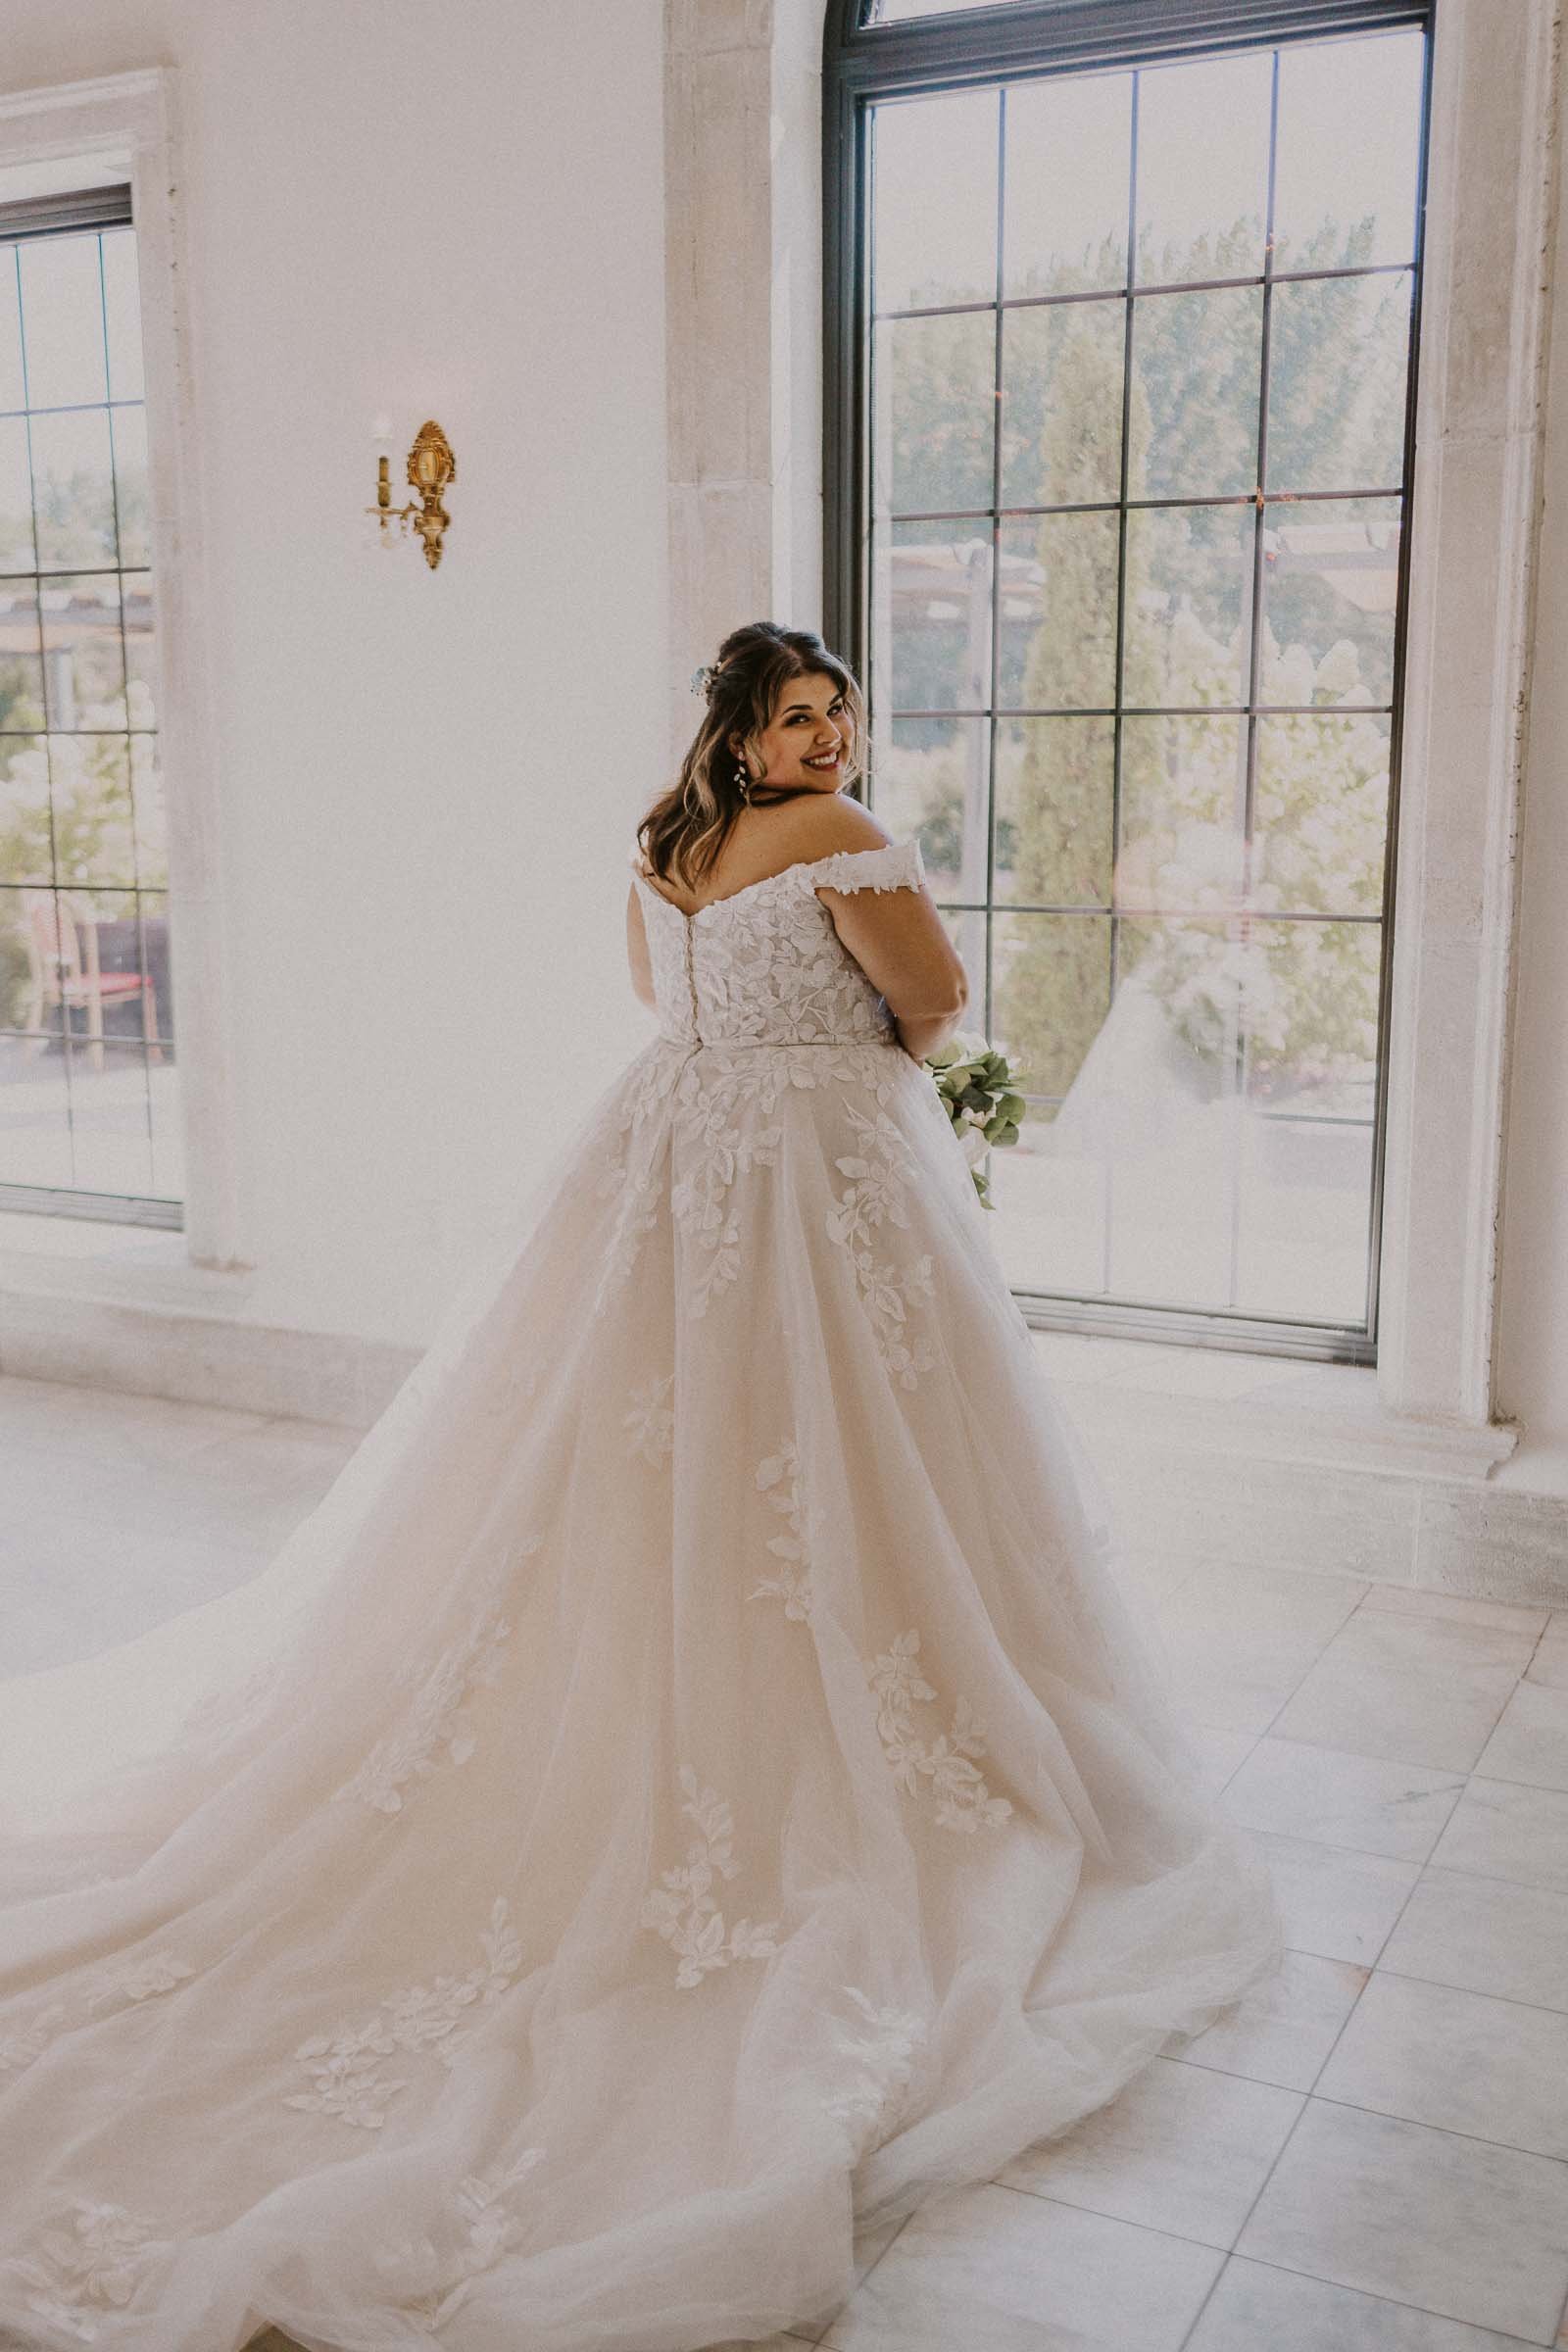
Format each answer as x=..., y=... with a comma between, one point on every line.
x=978, y=1092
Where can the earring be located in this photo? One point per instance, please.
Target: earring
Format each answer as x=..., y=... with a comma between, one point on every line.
x=743, y=782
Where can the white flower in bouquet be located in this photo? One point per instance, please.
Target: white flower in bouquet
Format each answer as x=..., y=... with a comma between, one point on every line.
x=978, y=1092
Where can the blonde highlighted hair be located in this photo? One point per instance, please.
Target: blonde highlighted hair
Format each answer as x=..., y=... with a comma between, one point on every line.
x=683, y=832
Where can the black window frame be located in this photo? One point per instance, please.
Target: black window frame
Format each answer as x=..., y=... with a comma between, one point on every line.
x=865, y=60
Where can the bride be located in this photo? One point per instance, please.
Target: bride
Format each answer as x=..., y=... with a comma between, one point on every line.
x=693, y=1787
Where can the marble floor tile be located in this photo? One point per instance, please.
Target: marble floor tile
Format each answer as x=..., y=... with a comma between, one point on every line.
x=1415, y=1690
x=1463, y=2061
x=1530, y=1739
x=1336, y=1904
x=1550, y=1663
x=1454, y=2225
x=1301, y=1790
x=1502, y=1830
x=1238, y=1641
x=1221, y=1752
x=869, y=2247
x=1411, y=1600
x=1282, y=2032
x=1255, y=2308
x=994, y=2270
x=1485, y=1935
x=1181, y=2150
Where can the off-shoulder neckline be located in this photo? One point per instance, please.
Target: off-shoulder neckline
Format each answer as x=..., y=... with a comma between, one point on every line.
x=801, y=866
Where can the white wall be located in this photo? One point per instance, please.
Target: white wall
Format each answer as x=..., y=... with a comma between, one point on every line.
x=1532, y=1351
x=427, y=780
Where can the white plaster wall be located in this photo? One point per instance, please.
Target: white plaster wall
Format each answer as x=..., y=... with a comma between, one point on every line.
x=427, y=780
x=1532, y=1328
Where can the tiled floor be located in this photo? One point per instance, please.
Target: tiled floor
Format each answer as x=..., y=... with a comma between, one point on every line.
x=1372, y=2156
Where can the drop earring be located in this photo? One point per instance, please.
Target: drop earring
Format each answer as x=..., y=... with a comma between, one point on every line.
x=743, y=782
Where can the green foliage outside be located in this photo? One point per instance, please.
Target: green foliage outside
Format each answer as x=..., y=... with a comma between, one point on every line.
x=1305, y=992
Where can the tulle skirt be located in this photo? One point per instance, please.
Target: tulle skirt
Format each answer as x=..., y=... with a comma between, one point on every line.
x=692, y=1788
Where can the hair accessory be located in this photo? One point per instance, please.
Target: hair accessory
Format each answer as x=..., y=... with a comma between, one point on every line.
x=703, y=679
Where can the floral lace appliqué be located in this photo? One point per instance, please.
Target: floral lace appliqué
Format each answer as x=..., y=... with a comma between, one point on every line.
x=487, y=2224
x=92, y=2260
x=963, y=1801
x=881, y=2052
x=779, y=1476
x=876, y=1195
x=103, y=1989
x=651, y=1420
x=345, y=2068
x=684, y=1910
x=438, y=1715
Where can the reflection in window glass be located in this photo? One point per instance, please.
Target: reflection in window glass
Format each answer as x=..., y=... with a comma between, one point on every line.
x=1132, y=639
x=88, y=1084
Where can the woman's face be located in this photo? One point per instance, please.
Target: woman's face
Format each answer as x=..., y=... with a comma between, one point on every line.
x=806, y=742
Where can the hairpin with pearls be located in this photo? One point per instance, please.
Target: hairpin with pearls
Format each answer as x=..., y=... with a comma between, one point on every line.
x=703, y=679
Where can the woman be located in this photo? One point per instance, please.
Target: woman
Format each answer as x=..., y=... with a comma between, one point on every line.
x=692, y=1788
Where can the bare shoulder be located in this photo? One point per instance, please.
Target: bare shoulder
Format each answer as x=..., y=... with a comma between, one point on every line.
x=838, y=823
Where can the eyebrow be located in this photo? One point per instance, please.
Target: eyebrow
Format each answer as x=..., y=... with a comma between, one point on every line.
x=836, y=697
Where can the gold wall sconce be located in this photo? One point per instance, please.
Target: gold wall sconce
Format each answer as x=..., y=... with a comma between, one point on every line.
x=432, y=467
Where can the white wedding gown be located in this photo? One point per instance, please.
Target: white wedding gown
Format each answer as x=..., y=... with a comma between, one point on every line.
x=692, y=1788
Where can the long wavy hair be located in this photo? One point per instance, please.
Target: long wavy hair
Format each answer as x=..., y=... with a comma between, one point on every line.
x=683, y=832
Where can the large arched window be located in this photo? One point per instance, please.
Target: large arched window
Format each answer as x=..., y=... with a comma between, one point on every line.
x=1121, y=324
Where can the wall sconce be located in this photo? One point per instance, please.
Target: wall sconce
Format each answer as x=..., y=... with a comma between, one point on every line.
x=432, y=465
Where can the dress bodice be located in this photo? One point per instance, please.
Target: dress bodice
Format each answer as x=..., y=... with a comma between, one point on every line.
x=765, y=965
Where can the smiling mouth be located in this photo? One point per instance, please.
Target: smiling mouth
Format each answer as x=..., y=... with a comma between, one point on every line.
x=824, y=760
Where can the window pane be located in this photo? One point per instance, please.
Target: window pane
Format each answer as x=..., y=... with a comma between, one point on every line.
x=967, y=931
x=73, y=489
x=1320, y=814
x=935, y=162
x=1059, y=612
x=89, y=782
x=151, y=825
x=1203, y=168
x=17, y=552
x=34, y=1105
x=83, y=652
x=1311, y=1000
x=13, y=394
x=1345, y=179
x=1330, y=581
x=1051, y=990
x=136, y=612
x=931, y=787
x=1183, y=806
x=1196, y=361
x=1062, y=386
x=20, y=656
x=1337, y=353
x=63, y=321
x=128, y=432
x=110, y=1139
x=931, y=616
x=1187, y=632
x=87, y=1079
x=1055, y=781
x=122, y=309
x=1065, y=207
x=26, y=853
x=1052, y=1194
x=1163, y=1093
x=936, y=393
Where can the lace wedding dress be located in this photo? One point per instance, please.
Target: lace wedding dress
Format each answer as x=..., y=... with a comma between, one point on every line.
x=692, y=1788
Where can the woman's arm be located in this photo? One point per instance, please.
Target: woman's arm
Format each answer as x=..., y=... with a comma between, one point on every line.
x=898, y=940
x=642, y=971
